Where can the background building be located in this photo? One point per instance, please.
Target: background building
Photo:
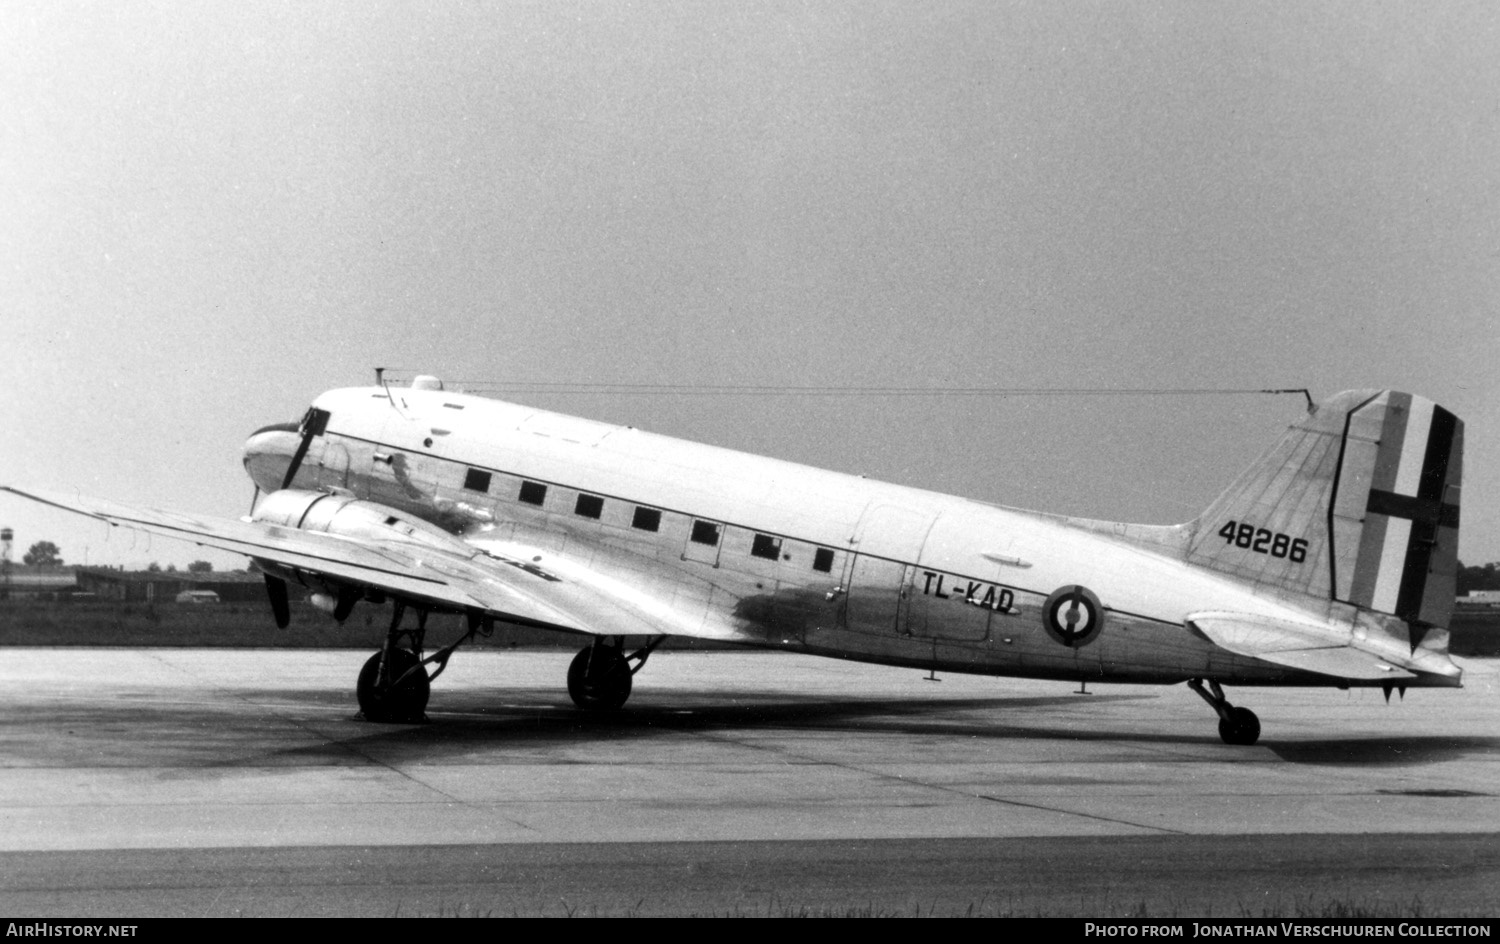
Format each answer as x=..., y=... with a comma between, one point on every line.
x=141, y=586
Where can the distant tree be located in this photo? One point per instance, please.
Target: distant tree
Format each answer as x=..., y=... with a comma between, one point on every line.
x=200, y=567
x=153, y=568
x=42, y=554
x=171, y=568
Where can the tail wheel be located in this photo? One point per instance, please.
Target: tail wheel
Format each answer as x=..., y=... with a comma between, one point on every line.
x=1241, y=727
x=393, y=696
x=599, y=679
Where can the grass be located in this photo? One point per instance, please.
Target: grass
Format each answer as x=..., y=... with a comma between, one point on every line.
x=1302, y=908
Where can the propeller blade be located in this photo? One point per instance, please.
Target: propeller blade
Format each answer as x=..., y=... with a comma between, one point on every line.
x=347, y=599
x=280, y=608
x=313, y=424
x=297, y=457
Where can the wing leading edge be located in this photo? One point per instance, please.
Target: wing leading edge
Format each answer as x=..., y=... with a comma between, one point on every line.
x=492, y=578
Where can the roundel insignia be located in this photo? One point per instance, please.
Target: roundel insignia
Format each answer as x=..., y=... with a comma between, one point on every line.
x=1073, y=616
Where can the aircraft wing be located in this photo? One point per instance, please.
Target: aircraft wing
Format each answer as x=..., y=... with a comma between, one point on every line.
x=1295, y=645
x=494, y=578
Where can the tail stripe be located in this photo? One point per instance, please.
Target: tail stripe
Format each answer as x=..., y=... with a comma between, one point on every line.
x=1405, y=507
x=1384, y=540
x=1388, y=563
x=1428, y=514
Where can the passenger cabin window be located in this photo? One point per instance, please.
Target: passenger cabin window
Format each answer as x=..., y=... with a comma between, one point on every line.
x=766, y=546
x=477, y=480
x=533, y=493
x=705, y=532
x=823, y=560
x=589, y=506
x=646, y=519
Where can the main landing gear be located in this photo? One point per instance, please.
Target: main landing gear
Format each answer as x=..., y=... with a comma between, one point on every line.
x=394, y=684
x=599, y=677
x=1236, y=725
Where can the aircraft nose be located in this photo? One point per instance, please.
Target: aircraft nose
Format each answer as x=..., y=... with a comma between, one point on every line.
x=268, y=454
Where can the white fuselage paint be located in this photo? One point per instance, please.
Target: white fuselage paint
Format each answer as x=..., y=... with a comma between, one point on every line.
x=914, y=577
x=1398, y=530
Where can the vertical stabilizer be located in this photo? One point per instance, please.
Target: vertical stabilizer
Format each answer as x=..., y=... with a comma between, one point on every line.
x=1357, y=503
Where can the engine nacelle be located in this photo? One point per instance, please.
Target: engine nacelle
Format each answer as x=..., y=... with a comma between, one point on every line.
x=350, y=517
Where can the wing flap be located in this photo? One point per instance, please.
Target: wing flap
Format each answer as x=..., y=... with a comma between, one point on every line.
x=1295, y=645
x=600, y=599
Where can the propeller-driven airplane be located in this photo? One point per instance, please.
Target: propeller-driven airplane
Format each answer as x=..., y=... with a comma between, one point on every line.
x=1330, y=562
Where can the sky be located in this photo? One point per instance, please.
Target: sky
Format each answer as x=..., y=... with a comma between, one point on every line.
x=214, y=212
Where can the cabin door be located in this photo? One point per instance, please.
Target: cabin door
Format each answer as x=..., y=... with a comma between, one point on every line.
x=878, y=580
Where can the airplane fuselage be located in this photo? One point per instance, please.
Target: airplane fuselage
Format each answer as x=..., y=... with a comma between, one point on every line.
x=755, y=550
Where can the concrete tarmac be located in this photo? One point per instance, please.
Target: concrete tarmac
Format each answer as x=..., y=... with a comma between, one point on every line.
x=166, y=782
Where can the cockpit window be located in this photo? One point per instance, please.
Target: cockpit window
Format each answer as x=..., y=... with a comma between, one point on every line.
x=279, y=428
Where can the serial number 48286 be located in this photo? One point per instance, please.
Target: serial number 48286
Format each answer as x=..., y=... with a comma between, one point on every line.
x=1261, y=541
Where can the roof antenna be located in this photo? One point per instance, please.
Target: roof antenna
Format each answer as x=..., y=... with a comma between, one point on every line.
x=380, y=379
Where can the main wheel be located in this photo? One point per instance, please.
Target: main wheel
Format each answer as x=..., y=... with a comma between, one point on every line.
x=398, y=703
x=1241, y=727
x=599, y=679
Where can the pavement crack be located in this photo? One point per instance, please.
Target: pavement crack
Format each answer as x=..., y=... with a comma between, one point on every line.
x=942, y=788
x=1093, y=816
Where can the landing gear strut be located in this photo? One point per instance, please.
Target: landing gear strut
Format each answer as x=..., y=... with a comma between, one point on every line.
x=599, y=677
x=394, y=684
x=1236, y=725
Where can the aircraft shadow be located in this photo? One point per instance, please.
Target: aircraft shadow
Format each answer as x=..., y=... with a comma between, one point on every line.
x=475, y=722
x=459, y=727
x=237, y=735
x=707, y=711
x=1382, y=751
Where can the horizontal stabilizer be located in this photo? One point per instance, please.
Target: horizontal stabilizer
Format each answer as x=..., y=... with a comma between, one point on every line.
x=1295, y=645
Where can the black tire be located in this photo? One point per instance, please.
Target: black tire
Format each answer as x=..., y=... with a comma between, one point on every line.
x=403, y=703
x=599, y=679
x=1242, y=727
